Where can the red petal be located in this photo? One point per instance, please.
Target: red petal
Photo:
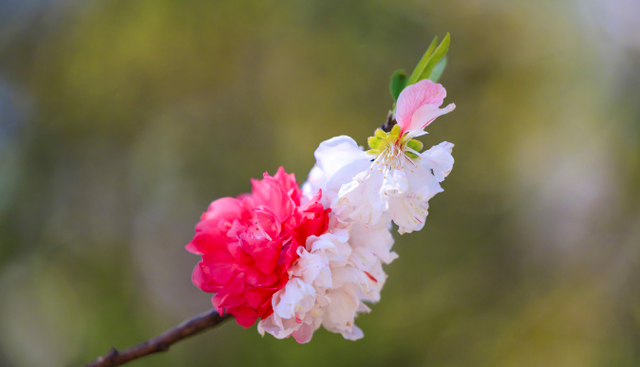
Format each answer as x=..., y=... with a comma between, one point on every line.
x=288, y=184
x=256, y=278
x=200, y=279
x=267, y=222
x=269, y=193
x=227, y=208
x=258, y=297
x=218, y=267
x=204, y=242
x=266, y=258
x=245, y=316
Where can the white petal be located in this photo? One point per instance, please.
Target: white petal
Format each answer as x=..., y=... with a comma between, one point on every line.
x=438, y=159
x=295, y=298
x=332, y=245
x=354, y=333
x=363, y=258
x=395, y=183
x=360, y=199
x=346, y=275
x=338, y=160
x=277, y=327
x=378, y=239
x=409, y=210
x=304, y=333
x=311, y=266
x=340, y=314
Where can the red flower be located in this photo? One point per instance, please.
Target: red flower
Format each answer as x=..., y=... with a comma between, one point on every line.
x=248, y=243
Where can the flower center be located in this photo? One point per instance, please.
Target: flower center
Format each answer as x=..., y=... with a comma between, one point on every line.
x=392, y=149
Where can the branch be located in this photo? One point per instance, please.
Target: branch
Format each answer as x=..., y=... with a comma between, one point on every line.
x=162, y=342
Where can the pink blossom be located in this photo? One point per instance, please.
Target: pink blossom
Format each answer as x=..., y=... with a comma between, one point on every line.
x=248, y=243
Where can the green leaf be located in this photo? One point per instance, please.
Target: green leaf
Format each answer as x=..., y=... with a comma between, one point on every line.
x=422, y=63
x=435, y=58
x=397, y=84
x=437, y=71
x=429, y=61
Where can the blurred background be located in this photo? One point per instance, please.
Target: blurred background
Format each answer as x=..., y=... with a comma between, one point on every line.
x=121, y=120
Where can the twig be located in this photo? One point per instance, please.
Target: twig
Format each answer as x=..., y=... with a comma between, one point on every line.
x=162, y=342
x=388, y=125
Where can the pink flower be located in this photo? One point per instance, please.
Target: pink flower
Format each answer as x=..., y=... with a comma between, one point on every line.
x=419, y=104
x=248, y=243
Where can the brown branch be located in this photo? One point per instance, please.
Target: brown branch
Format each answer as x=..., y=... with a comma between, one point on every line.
x=388, y=125
x=162, y=342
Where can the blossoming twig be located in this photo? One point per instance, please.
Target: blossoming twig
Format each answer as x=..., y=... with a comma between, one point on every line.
x=296, y=258
x=162, y=342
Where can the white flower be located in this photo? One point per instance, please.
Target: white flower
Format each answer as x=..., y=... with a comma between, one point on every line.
x=409, y=188
x=334, y=274
x=393, y=180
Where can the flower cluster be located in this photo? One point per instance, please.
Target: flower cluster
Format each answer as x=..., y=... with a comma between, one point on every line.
x=301, y=258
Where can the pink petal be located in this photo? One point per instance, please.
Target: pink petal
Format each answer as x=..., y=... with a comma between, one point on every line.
x=415, y=96
x=227, y=208
x=269, y=193
x=266, y=258
x=245, y=316
x=218, y=266
x=256, y=278
x=288, y=255
x=216, y=300
x=239, y=251
x=426, y=114
x=234, y=290
x=200, y=278
x=303, y=334
x=288, y=184
x=267, y=222
x=258, y=298
x=204, y=242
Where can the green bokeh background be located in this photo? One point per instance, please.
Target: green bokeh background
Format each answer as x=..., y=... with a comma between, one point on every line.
x=121, y=120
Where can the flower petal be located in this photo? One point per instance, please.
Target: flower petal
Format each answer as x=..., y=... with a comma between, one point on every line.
x=415, y=97
x=360, y=199
x=439, y=160
x=425, y=115
x=269, y=193
x=338, y=160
